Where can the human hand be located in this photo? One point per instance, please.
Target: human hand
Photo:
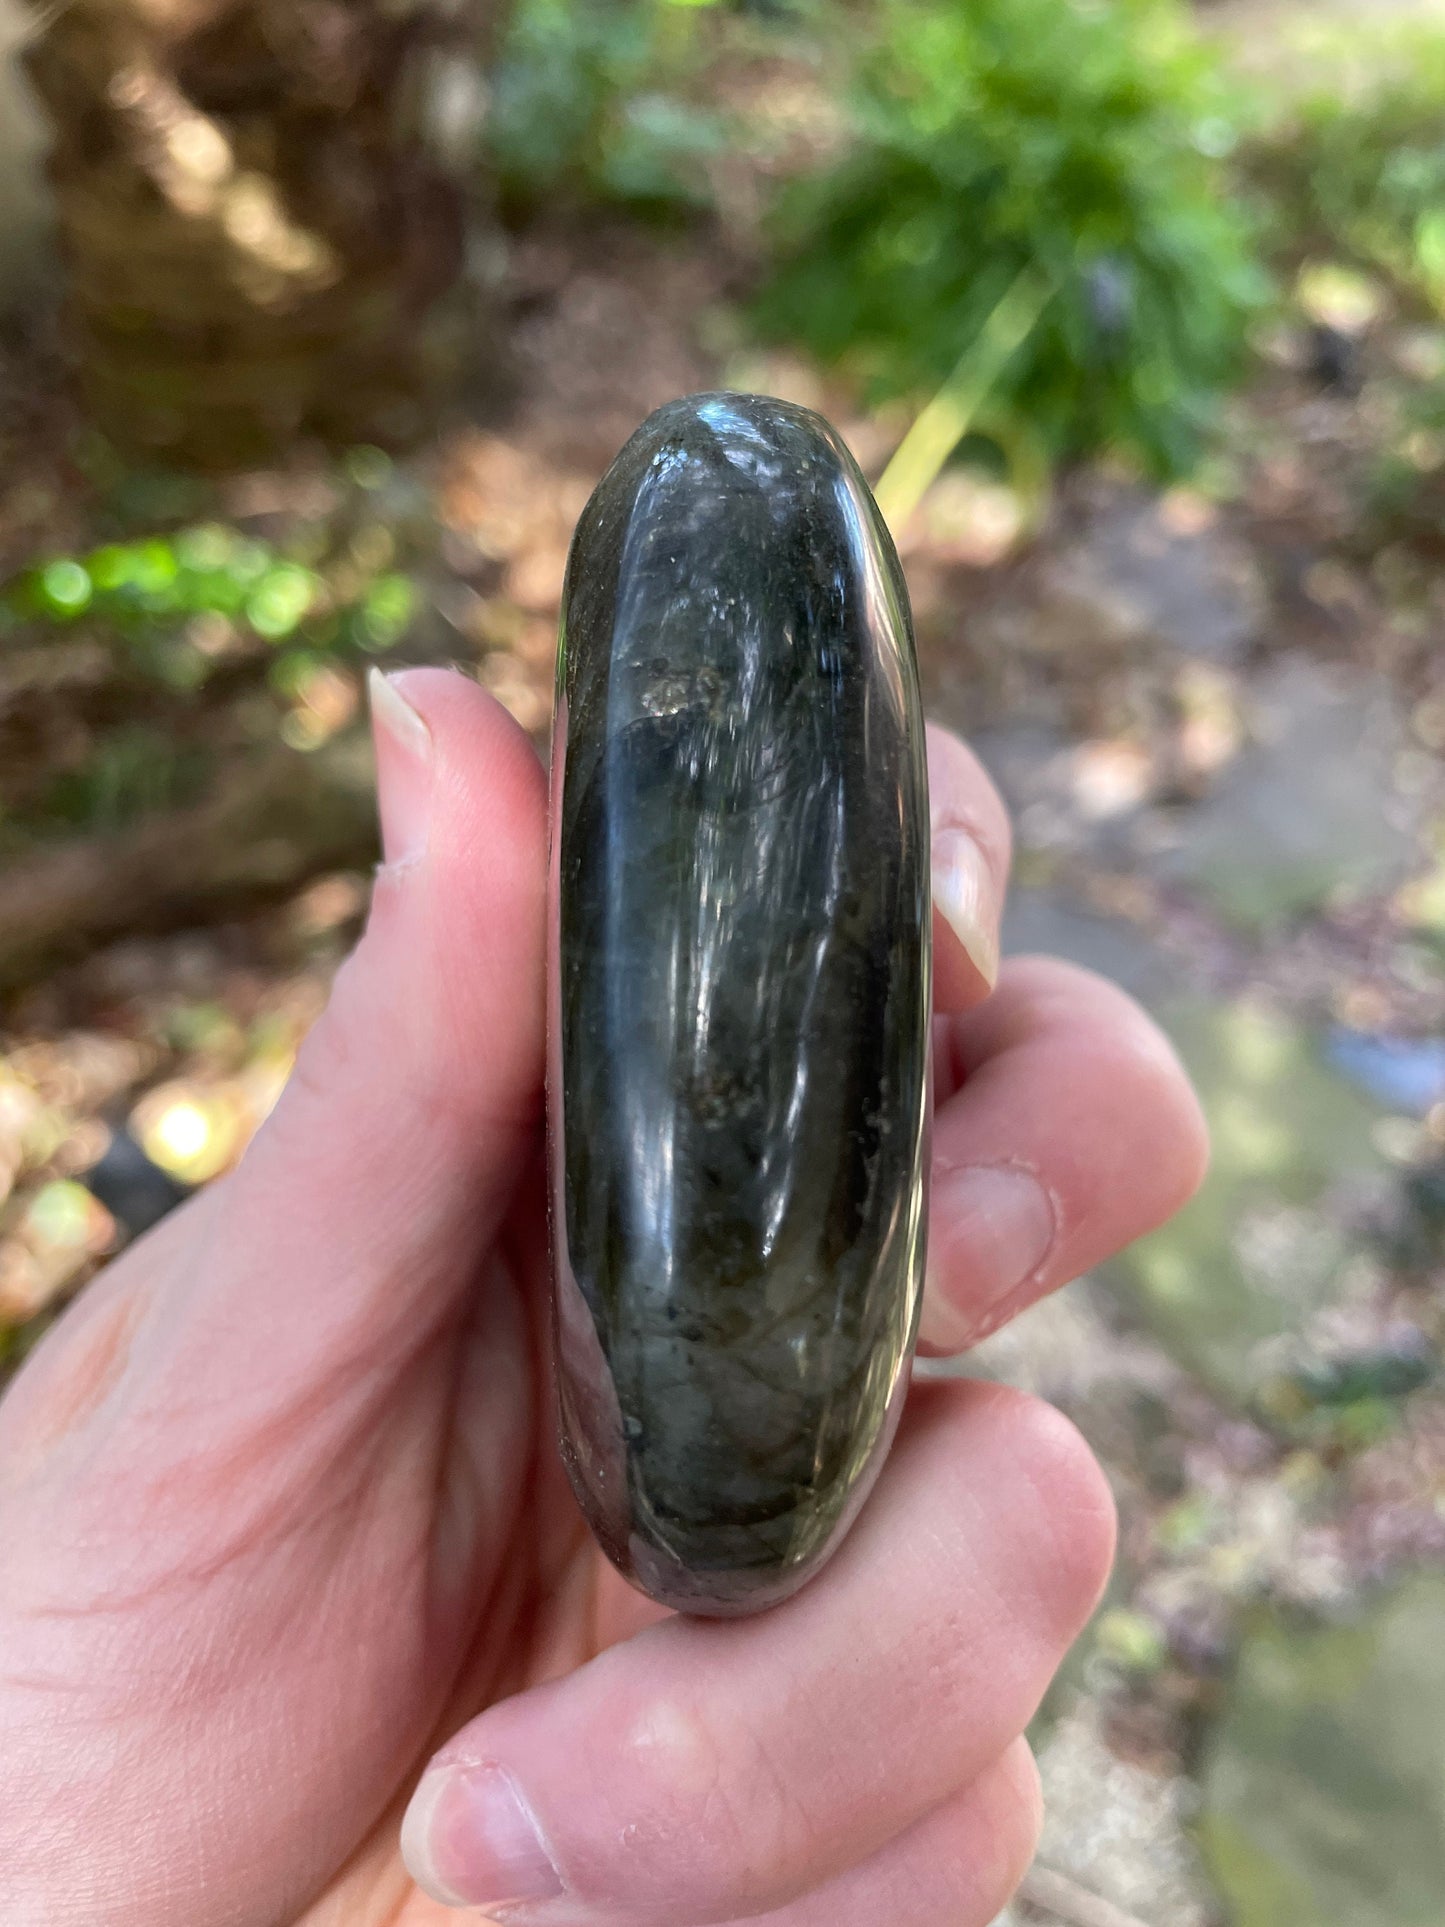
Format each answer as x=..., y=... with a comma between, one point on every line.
x=281, y=1512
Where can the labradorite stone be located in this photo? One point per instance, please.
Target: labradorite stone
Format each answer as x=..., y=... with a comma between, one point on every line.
x=740, y=992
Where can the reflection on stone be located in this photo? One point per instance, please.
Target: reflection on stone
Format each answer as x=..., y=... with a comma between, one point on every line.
x=740, y=996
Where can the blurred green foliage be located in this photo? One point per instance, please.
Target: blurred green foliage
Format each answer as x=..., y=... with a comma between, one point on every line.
x=1084, y=142
x=1350, y=162
x=1354, y=166
x=180, y=604
x=199, y=641
x=596, y=100
x=146, y=590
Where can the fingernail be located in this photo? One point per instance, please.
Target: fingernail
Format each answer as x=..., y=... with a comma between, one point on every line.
x=403, y=770
x=990, y=1229
x=469, y=1839
x=963, y=895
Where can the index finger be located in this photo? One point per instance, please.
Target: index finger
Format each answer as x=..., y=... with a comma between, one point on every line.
x=972, y=846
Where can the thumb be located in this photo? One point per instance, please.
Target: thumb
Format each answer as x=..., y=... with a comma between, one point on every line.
x=204, y=1466
x=355, y=1221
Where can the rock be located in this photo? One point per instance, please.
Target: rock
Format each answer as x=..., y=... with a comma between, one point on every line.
x=1324, y=1783
x=740, y=1001
x=1310, y=809
x=1152, y=573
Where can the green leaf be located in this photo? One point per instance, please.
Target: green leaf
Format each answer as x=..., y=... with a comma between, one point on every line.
x=65, y=588
x=281, y=600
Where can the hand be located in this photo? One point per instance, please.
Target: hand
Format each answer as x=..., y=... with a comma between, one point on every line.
x=281, y=1511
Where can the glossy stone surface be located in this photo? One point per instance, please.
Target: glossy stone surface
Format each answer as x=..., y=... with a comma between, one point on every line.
x=740, y=996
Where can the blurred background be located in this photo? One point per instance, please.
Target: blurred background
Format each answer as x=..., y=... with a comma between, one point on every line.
x=318, y=321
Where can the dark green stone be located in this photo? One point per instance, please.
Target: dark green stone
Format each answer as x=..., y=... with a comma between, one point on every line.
x=740, y=989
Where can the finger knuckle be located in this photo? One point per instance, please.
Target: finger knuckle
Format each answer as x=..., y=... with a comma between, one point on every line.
x=1014, y=1838
x=1078, y=1512
x=1118, y=1046
x=990, y=1837
x=1026, y=1802
x=1141, y=1062
x=722, y=1816
x=966, y=798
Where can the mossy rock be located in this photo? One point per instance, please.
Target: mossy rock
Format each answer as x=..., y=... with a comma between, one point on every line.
x=1324, y=1783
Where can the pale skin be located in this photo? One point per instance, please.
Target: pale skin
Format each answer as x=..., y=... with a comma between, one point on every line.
x=283, y=1531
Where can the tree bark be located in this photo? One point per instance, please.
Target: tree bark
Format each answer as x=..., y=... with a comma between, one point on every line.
x=258, y=214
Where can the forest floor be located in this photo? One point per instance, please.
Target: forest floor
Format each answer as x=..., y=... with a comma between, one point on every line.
x=1218, y=714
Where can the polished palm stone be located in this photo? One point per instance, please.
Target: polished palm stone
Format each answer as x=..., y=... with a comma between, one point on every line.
x=740, y=997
